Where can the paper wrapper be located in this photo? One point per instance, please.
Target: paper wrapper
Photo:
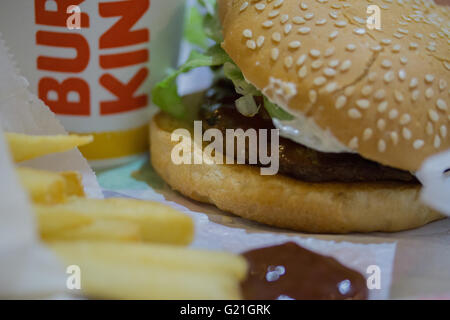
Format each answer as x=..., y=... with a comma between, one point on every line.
x=27, y=268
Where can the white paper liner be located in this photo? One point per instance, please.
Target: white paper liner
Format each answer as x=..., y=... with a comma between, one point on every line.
x=436, y=182
x=215, y=236
x=27, y=268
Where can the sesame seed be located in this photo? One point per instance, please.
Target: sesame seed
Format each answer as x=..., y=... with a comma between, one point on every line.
x=251, y=44
x=349, y=91
x=321, y=22
x=429, y=78
x=301, y=60
x=284, y=18
x=298, y=20
x=287, y=28
x=415, y=95
x=260, y=6
x=386, y=64
x=333, y=35
x=303, y=6
x=260, y=41
x=275, y=53
x=398, y=96
x=333, y=63
x=244, y=6
x=430, y=128
x=353, y=144
x=317, y=64
x=273, y=13
x=376, y=48
x=413, y=45
x=396, y=48
x=381, y=124
x=295, y=44
x=406, y=133
x=443, y=131
x=341, y=101
x=380, y=94
x=393, y=114
x=394, y=137
x=382, y=107
x=386, y=41
x=267, y=24
x=345, y=65
x=303, y=72
x=441, y=104
x=404, y=60
x=405, y=119
x=312, y=96
x=314, y=53
x=429, y=93
x=366, y=90
x=402, y=74
x=350, y=47
x=340, y=23
x=413, y=83
x=433, y=115
x=418, y=144
x=331, y=87
x=388, y=76
x=359, y=31
x=354, y=113
x=304, y=30
x=288, y=62
x=309, y=16
x=333, y=14
x=363, y=103
x=372, y=76
x=276, y=36
x=319, y=81
x=367, y=134
x=278, y=3
x=442, y=84
x=329, y=52
x=437, y=142
x=247, y=33
x=329, y=72
x=381, y=145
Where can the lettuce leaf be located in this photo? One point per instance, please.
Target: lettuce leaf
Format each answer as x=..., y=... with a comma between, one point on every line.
x=165, y=93
x=194, y=31
x=276, y=112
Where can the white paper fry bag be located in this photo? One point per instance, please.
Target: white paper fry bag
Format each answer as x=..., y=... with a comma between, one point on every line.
x=27, y=268
x=435, y=177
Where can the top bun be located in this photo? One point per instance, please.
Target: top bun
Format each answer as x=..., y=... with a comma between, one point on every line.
x=383, y=93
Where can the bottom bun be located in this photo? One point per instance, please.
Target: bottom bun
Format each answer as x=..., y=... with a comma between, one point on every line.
x=288, y=203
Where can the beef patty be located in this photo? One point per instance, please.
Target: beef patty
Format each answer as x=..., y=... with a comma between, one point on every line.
x=296, y=160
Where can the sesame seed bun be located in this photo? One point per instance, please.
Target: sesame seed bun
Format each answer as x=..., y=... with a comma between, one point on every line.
x=284, y=202
x=383, y=93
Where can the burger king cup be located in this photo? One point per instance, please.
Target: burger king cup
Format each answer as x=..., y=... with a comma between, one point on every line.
x=93, y=63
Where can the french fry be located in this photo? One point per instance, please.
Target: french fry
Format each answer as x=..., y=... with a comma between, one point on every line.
x=43, y=186
x=25, y=147
x=74, y=184
x=124, y=277
x=166, y=257
x=48, y=187
x=158, y=223
x=52, y=222
x=99, y=230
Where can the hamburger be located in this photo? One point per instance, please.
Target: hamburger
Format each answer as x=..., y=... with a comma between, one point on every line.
x=358, y=109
